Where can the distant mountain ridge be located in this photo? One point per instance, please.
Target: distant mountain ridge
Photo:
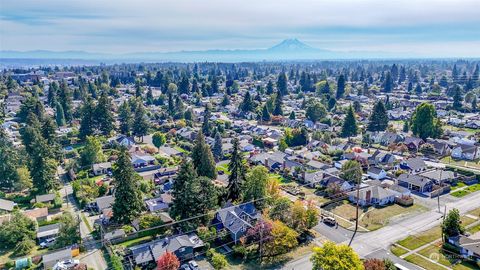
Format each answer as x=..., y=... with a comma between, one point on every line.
x=288, y=49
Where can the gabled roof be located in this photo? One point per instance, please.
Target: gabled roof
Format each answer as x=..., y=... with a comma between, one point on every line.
x=6, y=205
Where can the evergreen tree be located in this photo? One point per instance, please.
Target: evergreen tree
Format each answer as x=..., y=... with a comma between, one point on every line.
x=331, y=103
x=128, y=202
x=292, y=116
x=59, y=115
x=265, y=114
x=379, y=118
x=457, y=98
x=418, y=89
x=340, y=86
x=217, y=147
x=140, y=124
x=269, y=88
x=87, y=123
x=206, y=126
x=406, y=126
x=149, y=97
x=184, y=85
x=202, y=158
x=171, y=104
x=125, y=118
x=237, y=170
x=388, y=84
x=103, y=115
x=247, y=104
x=282, y=84
x=8, y=161
x=42, y=164
x=278, y=105
x=425, y=123
x=192, y=196
x=349, y=127
x=225, y=100
x=52, y=94
x=65, y=99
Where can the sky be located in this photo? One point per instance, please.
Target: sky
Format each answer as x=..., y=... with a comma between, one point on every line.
x=426, y=27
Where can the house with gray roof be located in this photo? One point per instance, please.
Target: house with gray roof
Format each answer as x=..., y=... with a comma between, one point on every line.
x=415, y=182
x=236, y=219
x=183, y=246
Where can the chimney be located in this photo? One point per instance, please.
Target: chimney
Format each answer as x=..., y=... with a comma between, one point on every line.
x=368, y=196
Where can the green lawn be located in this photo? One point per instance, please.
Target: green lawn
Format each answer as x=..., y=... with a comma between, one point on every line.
x=136, y=241
x=466, y=191
x=459, y=185
x=415, y=259
x=279, y=178
x=415, y=241
x=398, y=250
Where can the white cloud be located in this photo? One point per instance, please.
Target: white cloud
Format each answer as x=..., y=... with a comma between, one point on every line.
x=126, y=26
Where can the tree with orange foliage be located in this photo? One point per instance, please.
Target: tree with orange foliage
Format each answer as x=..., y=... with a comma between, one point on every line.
x=168, y=261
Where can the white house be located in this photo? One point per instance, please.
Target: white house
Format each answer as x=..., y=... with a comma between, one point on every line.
x=464, y=151
x=377, y=173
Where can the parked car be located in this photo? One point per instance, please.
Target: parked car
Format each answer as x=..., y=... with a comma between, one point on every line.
x=330, y=221
x=193, y=265
x=185, y=267
x=47, y=243
x=65, y=265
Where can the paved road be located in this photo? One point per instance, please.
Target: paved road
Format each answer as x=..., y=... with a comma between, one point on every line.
x=376, y=243
x=93, y=257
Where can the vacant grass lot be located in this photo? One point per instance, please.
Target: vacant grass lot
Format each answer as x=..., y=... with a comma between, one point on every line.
x=415, y=241
x=373, y=218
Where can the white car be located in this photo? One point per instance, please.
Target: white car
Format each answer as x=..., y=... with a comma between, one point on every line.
x=193, y=265
x=47, y=243
x=65, y=265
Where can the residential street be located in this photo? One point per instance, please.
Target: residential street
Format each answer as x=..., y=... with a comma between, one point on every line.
x=93, y=256
x=376, y=244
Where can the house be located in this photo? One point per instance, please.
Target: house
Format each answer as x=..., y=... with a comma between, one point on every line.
x=413, y=165
x=413, y=143
x=37, y=213
x=376, y=173
x=183, y=246
x=399, y=191
x=236, y=219
x=50, y=259
x=45, y=198
x=415, y=182
x=115, y=234
x=382, y=157
x=372, y=195
x=328, y=181
x=101, y=168
x=142, y=160
x=160, y=203
x=6, y=205
x=122, y=140
x=104, y=202
x=312, y=178
x=439, y=176
x=47, y=231
x=465, y=151
x=169, y=151
x=441, y=147
x=469, y=246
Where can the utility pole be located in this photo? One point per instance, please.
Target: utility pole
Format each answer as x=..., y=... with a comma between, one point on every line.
x=356, y=214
